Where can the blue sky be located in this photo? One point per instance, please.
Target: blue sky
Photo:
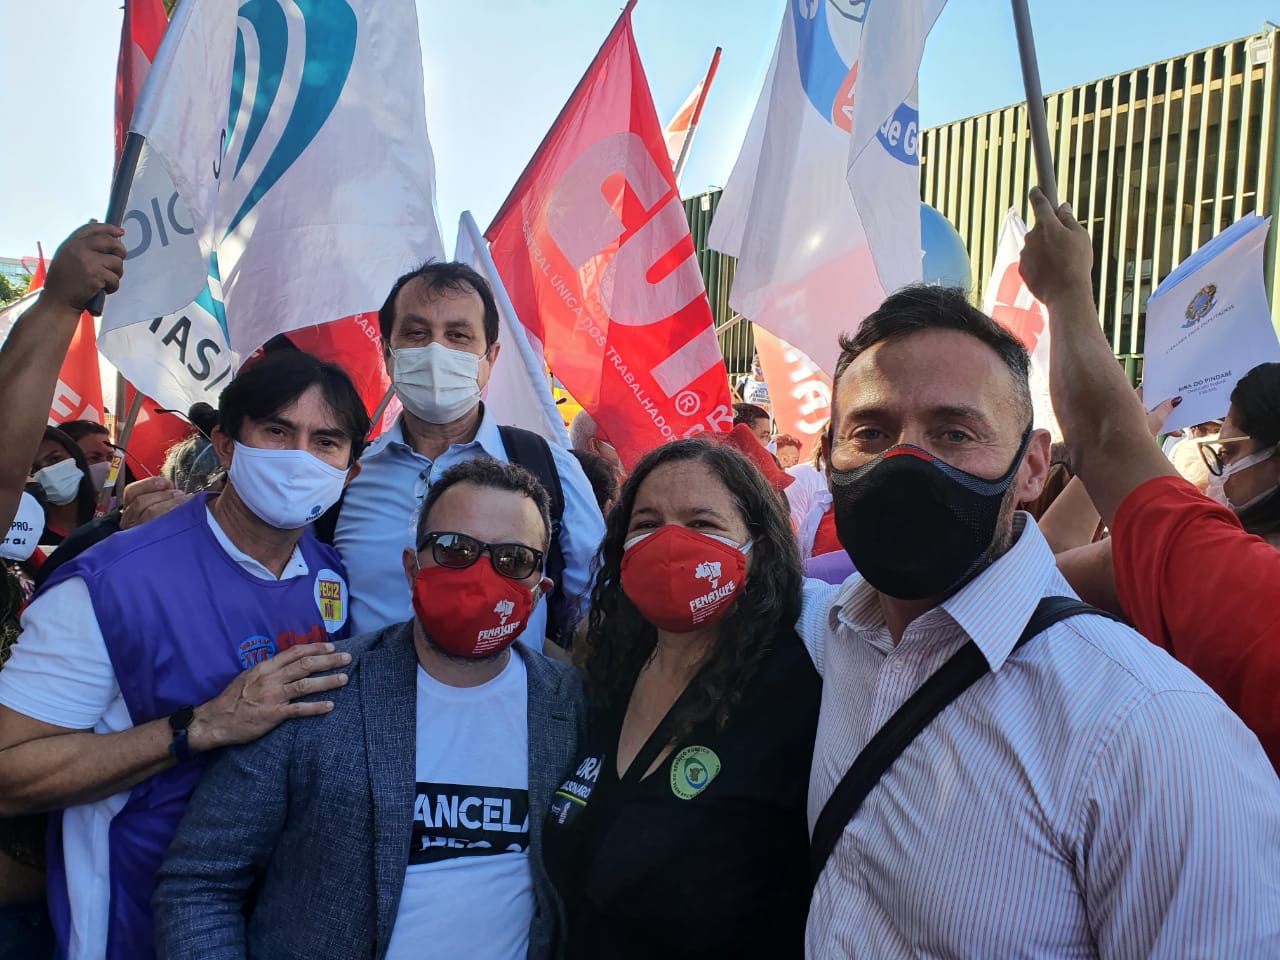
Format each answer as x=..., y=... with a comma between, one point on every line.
x=498, y=71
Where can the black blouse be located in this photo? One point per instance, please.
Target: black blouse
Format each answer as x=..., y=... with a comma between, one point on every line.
x=707, y=856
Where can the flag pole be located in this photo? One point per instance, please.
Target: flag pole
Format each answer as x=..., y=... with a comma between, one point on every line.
x=697, y=114
x=120, y=188
x=376, y=420
x=1045, y=175
x=115, y=476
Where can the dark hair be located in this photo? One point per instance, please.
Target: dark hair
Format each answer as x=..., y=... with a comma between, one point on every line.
x=192, y=464
x=86, y=496
x=79, y=429
x=786, y=440
x=748, y=413
x=452, y=276
x=922, y=307
x=265, y=387
x=203, y=417
x=619, y=640
x=1255, y=404
x=490, y=474
x=600, y=474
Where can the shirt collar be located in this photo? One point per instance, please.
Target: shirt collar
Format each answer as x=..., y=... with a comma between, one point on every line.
x=992, y=609
x=487, y=436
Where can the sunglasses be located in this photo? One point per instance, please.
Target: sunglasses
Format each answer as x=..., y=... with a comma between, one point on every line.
x=1214, y=453
x=457, y=550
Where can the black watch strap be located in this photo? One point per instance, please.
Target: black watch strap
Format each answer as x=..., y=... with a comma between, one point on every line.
x=179, y=720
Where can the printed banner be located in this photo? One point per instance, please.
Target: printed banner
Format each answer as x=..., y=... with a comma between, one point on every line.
x=799, y=389
x=1208, y=324
x=594, y=249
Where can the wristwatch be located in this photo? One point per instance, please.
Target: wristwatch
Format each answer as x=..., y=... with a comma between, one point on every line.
x=179, y=720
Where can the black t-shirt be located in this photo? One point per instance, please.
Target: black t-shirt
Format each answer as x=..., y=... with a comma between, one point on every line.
x=706, y=857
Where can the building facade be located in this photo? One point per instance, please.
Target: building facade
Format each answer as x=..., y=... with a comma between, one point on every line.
x=1154, y=161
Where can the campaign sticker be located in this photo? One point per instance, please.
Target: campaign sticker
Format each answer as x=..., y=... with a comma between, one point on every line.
x=692, y=770
x=331, y=599
x=24, y=532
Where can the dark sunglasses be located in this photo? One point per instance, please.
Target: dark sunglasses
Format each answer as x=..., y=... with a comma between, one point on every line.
x=459, y=551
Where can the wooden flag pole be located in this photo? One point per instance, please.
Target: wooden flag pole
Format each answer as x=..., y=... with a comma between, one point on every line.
x=376, y=419
x=1045, y=175
x=115, y=476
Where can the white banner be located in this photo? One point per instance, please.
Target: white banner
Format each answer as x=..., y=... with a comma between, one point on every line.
x=1008, y=301
x=518, y=393
x=295, y=145
x=804, y=270
x=1208, y=325
x=10, y=313
x=884, y=143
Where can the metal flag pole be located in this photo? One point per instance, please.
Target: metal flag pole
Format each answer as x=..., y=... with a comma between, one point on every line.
x=120, y=188
x=376, y=420
x=115, y=476
x=697, y=114
x=1045, y=175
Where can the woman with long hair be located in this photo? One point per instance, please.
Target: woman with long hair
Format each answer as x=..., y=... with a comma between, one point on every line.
x=682, y=831
x=62, y=472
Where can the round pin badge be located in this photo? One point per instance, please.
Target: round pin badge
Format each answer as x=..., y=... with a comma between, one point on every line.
x=692, y=770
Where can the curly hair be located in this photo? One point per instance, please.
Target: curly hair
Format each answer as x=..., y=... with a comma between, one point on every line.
x=619, y=641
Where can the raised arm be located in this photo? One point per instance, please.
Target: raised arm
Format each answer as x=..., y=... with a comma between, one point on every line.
x=89, y=260
x=1103, y=422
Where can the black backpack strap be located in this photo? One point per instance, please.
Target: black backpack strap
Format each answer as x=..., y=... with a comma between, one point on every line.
x=531, y=451
x=966, y=666
x=325, y=526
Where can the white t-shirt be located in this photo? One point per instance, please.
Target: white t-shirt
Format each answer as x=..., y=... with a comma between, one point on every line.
x=60, y=673
x=801, y=495
x=468, y=891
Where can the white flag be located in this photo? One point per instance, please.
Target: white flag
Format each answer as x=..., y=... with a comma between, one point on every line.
x=804, y=270
x=290, y=140
x=1008, y=301
x=10, y=313
x=518, y=393
x=1208, y=325
x=884, y=156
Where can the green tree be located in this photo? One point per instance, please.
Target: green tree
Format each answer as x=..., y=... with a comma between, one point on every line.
x=10, y=291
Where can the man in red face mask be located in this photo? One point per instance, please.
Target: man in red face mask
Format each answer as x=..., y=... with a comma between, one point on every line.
x=449, y=733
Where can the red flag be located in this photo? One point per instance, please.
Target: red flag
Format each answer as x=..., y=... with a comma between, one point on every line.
x=594, y=249
x=78, y=395
x=144, y=23
x=799, y=390
x=678, y=134
x=38, y=271
x=354, y=344
x=153, y=434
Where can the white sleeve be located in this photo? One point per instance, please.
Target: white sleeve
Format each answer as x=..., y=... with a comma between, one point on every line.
x=60, y=671
x=815, y=602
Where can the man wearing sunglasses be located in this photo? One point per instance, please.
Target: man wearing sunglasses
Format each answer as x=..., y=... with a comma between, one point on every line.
x=412, y=817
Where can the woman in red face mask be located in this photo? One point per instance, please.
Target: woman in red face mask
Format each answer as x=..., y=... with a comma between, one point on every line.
x=682, y=830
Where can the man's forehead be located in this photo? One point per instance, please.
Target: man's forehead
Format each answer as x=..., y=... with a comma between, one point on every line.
x=309, y=410
x=486, y=513
x=419, y=298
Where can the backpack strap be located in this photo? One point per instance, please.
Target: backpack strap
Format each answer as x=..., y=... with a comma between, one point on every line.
x=531, y=451
x=965, y=667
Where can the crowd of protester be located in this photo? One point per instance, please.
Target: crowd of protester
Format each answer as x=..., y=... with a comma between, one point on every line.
x=453, y=690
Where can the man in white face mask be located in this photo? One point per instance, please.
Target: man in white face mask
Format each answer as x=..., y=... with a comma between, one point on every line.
x=440, y=342
x=198, y=630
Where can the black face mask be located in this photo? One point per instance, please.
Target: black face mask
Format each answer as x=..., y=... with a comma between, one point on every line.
x=914, y=526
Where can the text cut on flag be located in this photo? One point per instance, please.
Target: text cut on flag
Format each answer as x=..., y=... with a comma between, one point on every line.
x=594, y=249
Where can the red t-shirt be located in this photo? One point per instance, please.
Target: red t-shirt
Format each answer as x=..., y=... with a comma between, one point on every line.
x=1194, y=582
x=824, y=538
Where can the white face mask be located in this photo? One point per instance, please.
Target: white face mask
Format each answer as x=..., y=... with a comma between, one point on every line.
x=24, y=532
x=435, y=383
x=61, y=481
x=285, y=488
x=1217, y=485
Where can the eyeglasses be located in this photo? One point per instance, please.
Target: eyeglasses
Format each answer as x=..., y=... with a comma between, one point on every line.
x=458, y=550
x=1211, y=453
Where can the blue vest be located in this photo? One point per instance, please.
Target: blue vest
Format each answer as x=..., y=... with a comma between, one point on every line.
x=181, y=619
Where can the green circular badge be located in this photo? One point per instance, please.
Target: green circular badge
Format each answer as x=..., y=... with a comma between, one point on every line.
x=692, y=769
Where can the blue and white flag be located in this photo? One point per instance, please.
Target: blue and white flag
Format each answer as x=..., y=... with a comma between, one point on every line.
x=884, y=143
x=519, y=392
x=1208, y=324
x=289, y=141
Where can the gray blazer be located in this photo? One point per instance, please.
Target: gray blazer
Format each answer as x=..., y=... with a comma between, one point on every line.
x=317, y=814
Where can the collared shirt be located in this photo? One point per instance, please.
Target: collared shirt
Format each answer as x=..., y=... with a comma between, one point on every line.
x=1088, y=798
x=380, y=513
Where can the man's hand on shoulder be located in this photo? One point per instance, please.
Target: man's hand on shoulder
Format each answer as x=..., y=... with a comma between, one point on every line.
x=265, y=695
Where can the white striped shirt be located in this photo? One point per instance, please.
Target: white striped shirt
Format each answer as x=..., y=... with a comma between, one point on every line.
x=1088, y=798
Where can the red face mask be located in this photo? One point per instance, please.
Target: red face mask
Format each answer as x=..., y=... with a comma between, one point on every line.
x=681, y=579
x=472, y=612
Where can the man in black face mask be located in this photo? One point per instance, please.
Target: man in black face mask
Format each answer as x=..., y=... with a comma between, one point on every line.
x=998, y=772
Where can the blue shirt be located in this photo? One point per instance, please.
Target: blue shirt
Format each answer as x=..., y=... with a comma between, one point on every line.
x=380, y=513
x=1090, y=797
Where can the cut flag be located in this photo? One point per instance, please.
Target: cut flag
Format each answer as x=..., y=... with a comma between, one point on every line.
x=519, y=392
x=884, y=140
x=594, y=249
x=1008, y=301
x=140, y=34
x=678, y=134
x=262, y=151
x=804, y=270
x=799, y=390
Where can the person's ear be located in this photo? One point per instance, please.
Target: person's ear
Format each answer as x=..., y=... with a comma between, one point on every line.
x=224, y=446
x=1033, y=472
x=487, y=361
x=409, y=559
x=352, y=472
